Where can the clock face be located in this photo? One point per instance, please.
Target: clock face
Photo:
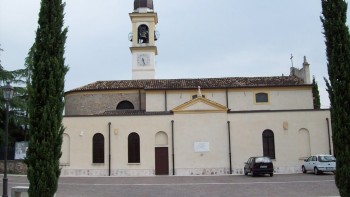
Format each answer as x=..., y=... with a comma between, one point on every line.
x=143, y=60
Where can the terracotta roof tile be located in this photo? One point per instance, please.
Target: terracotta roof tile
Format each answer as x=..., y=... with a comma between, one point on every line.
x=205, y=83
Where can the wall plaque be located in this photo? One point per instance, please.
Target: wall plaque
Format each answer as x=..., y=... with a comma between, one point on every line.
x=200, y=147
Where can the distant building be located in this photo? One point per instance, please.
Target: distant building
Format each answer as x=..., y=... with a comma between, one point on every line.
x=208, y=126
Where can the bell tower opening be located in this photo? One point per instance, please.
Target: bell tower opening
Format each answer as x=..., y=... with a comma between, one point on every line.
x=143, y=34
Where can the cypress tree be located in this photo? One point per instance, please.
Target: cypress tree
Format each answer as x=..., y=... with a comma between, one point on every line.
x=316, y=94
x=337, y=41
x=46, y=92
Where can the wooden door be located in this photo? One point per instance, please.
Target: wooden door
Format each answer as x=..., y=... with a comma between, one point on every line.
x=162, y=160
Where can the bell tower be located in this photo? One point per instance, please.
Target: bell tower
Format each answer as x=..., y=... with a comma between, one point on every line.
x=143, y=37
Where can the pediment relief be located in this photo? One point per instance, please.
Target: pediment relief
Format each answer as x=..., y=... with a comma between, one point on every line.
x=200, y=105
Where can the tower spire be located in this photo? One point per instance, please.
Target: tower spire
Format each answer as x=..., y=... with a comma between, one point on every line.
x=143, y=6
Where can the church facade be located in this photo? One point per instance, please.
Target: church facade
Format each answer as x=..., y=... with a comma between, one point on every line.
x=207, y=126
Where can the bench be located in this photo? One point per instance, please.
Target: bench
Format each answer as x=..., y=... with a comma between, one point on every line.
x=18, y=190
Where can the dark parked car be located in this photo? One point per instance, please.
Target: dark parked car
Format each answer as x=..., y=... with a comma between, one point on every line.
x=258, y=165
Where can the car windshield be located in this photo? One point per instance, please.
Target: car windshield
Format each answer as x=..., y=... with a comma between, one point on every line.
x=326, y=158
x=262, y=160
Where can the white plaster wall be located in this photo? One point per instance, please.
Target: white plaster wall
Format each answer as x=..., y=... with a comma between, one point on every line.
x=155, y=101
x=176, y=98
x=82, y=129
x=143, y=73
x=239, y=99
x=247, y=128
x=246, y=141
x=207, y=127
x=279, y=99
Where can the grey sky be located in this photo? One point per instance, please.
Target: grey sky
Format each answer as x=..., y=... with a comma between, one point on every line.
x=223, y=38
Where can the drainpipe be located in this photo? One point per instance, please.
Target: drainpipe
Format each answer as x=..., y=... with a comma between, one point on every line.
x=329, y=137
x=172, y=144
x=109, y=149
x=140, y=100
x=229, y=144
x=165, y=101
x=226, y=97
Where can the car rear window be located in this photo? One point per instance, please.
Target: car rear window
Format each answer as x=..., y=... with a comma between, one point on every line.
x=326, y=158
x=262, y=160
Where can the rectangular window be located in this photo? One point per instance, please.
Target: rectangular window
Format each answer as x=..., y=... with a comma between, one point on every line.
x=261, y=98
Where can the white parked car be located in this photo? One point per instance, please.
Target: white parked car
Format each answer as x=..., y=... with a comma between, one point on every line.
x=319, y=164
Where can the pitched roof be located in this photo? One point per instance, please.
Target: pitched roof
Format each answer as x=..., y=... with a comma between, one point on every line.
x=200, y=104
x=204, y=83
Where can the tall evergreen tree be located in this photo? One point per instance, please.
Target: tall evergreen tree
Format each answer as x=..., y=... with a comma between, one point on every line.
x=338, y=55
x=46, y=104
x=316, y=94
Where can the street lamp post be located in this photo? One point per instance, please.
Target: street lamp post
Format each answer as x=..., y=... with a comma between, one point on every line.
x=8, y=93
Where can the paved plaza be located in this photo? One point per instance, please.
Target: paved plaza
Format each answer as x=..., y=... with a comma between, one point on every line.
x=293, y=185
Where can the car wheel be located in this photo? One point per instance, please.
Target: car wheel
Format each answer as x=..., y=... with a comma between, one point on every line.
x=303, y=169
x=316, y=171
x=245, y=172
x=271, y=174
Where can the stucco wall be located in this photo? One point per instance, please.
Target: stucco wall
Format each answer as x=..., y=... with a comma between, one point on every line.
x=279, y=99
x=81, y=131
x=283, y=98
x=246, y=139
x=90, y=103
x=247, y=131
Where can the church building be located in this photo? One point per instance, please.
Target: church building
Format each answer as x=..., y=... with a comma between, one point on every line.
x=204, y=126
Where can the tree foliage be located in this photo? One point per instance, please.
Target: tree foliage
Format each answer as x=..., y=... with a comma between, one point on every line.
x=46, y=91
x=18, y=114
x=337, y=41
x=316, y=94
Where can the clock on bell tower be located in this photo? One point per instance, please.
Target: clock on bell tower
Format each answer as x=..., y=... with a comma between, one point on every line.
x=143, y=37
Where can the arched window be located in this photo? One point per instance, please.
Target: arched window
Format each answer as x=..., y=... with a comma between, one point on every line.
x=261, y=97
x=161, y=138
x=98, y=148
x=125, y=105
x=304, y=143
x=143, y=34
x=65, y=158
x=134, y=148
x=269, y=144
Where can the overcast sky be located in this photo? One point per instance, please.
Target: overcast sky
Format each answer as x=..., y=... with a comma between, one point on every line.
x=198, y=39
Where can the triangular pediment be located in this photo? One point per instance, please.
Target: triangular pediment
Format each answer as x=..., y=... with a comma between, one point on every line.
x=201, y=105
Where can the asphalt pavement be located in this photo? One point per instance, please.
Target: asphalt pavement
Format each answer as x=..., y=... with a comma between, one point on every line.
x=290, y=185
